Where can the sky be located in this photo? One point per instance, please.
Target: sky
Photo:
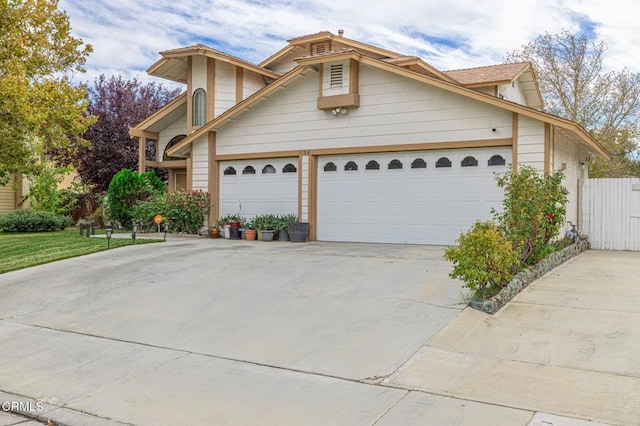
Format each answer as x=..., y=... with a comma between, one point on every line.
x=449, y=34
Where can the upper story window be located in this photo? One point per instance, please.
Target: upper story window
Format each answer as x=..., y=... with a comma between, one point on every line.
x=199, y=107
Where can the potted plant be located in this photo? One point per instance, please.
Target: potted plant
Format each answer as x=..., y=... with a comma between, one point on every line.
x=214, y=231
x=298, y=232
x=283, y=226
x=250, y=230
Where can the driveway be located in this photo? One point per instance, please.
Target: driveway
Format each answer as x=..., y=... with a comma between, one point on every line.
x=200, y=331
x=204, y=332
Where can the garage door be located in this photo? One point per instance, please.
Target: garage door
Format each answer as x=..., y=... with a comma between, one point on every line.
x=252, y=187
x=422, y=197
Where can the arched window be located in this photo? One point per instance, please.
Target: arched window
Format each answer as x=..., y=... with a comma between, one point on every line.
x=469, y=161
x=229, y=171
x=497, y=160
x=443, y=162
x=419, y=163
x=199, y=107
x=394, y=164
x=330, y=167
x=289, y=168
x=372, y=165
x=268, y=169
x=249, y=171
x=351, y=166
x=174, y=141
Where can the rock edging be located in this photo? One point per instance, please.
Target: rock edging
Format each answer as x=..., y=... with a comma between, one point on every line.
x=527, y=276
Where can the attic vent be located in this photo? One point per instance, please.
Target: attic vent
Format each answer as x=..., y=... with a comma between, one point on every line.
x=319, y=48
x=336, y=76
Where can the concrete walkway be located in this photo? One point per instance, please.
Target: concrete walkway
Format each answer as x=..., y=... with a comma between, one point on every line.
x=200, y=332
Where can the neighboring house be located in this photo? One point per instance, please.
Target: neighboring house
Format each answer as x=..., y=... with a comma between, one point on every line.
x=11, y=194
x=363, y=143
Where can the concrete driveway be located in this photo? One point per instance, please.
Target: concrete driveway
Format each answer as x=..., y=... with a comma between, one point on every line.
x=215, y=331
x=205, y=332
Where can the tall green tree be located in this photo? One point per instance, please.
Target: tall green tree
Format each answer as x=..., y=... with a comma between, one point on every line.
x=575, y=86
x=39, y=107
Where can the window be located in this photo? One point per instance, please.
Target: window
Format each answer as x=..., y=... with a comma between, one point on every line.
x=497, y=160
x=372, y=165
x=174, y=141
x=330, y=167
x=469, y=161
x=249, y=171
x=199, y=107
x=268, y=169
x=229, y=171
x=350, y=166
x=443, y=162
x=289, y=168
x=336, y=76
x=419, y=163
x=394, y=164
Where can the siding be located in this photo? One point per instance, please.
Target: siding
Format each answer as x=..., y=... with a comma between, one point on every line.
x=531, y=142
x=251, y=83
x=7, y=197
x=178, y=127
x=225, y=87
x=513, y=94
x=566, y=152
x=393, y=110
x=611, y=213
x=199, y=70
x=200, y=169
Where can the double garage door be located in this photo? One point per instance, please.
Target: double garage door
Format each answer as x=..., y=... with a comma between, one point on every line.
x=421, y=197
x=417, y=197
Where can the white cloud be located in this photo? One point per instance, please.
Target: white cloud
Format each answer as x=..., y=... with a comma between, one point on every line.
x=127, y=36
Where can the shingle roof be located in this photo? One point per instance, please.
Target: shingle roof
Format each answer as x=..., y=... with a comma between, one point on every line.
x=488, y=74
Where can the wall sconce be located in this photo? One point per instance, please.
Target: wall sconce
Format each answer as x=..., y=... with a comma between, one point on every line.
x=109, y=230
x=339, y=111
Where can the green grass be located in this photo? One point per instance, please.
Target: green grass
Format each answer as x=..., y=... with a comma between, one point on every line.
x=22, y=250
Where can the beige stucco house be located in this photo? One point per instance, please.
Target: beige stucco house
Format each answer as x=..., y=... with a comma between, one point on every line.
x=364, y=143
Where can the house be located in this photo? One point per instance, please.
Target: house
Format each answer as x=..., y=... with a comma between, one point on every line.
x=11, y=194
x=364, y=143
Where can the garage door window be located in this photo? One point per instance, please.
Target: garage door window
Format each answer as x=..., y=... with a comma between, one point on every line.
x=372, y=165
x=289, y=168
x=394, y=164
x=443, y=162
x=469, y=161
x=419, y=163
x=249, y=171
x=268, y=169
x=497, y=160
x=330, y=167
x=350, y=166
x=229, y=171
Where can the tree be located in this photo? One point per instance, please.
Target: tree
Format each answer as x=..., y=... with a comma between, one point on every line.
x=574, y=86
x=118, y=105
x=39, y=107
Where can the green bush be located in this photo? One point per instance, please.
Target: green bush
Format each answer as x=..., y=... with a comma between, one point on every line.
x=26, y=220
x=534, y=209
x=484, y=259
x=128, y=188
x=184, y=210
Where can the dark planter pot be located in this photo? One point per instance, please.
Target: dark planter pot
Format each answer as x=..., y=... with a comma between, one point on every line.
x=267, y=235
x=283, y=235
x=235, y=224
x=299, y=232
x=235, y=233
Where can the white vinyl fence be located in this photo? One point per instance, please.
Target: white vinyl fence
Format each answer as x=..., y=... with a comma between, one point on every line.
x=610, y=213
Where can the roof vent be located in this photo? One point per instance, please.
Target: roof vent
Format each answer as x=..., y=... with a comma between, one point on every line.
x=340, y=33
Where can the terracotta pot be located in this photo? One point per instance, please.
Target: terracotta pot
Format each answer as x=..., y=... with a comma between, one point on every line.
x=214, y=233
x=250, y=234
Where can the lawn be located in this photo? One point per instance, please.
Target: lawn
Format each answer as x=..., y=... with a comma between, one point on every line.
x=22, y=250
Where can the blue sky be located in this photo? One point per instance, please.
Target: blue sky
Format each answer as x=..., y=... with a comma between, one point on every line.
x=127, y=35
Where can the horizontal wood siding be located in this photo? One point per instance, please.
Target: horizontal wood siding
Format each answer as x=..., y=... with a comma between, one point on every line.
x=393, y=110
x=225, y=87
x=199, y=69
x=531, y=142
x=611, y=213
x=200, y=170
x=568, y=155
x=7, y=197
x=251, y=83
x=178, y=127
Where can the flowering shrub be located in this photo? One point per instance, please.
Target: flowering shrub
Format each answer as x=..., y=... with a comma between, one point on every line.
x=184, y=210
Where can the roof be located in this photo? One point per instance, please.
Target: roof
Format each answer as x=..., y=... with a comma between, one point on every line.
x=281, y=83
x=493, y=74
x=173, y=65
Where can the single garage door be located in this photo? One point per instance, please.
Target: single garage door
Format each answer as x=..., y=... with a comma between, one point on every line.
x=252, y=187
x=421, y=197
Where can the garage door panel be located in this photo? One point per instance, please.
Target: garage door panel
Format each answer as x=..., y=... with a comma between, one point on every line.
x=426, y=205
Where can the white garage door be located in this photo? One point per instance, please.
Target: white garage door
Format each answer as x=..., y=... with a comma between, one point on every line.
x=422, y=197
x=252, y=187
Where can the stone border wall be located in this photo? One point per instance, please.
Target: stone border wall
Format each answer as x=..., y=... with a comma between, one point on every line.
x=524, y=278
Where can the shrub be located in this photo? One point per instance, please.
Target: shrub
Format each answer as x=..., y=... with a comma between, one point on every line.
x=126, y=189
x=484, y=259
x=534, y=209
x=26, y=220
x=185, y=210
